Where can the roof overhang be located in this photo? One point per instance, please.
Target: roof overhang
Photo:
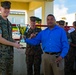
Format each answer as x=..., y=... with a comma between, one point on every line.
x=27, y=0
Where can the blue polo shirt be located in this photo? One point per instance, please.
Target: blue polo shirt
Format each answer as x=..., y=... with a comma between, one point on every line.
x=53, y=40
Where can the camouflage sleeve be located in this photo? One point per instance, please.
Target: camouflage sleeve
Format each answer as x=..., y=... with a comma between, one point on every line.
x=39, y=29
x=70, y=37
x=0, y=30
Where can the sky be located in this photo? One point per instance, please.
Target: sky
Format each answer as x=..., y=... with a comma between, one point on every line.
x=61, y=7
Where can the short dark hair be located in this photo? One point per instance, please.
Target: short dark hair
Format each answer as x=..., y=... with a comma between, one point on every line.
x=33, y=18
x=51, y=15
x=61, y=22
x=6, y=4
x=74, y=23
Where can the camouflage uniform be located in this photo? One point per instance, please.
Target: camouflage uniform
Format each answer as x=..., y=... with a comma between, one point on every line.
x=6, y=52
x=71, y=56
x=33, y=55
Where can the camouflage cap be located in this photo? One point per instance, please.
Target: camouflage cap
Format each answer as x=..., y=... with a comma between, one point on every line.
x=61, y=22
x=33, y=18
x=6, y=4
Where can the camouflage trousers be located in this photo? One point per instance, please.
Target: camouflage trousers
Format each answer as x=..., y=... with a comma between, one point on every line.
x=6, y=62
x=69, y=62
x=33, y=62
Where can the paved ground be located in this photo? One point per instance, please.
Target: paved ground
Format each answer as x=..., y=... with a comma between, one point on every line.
x=20, y=62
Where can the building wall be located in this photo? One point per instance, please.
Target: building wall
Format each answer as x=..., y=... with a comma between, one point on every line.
x=17, y=19
x=70, y=18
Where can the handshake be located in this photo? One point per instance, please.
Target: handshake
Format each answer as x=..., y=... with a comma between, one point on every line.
x=17, y=45
x=22, y=43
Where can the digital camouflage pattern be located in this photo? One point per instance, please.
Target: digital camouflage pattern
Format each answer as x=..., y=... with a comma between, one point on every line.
x=31, y=50
x=6, y=52
x=71, y=56
x=33, y=54
x=69, y=62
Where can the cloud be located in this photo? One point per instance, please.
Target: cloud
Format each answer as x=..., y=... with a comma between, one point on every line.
x=60, y=9
x=62, y=1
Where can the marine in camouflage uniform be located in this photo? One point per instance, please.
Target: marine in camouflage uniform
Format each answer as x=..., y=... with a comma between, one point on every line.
x=66, y=65
x=33, y=54
x=71, y=57
x=6, y=52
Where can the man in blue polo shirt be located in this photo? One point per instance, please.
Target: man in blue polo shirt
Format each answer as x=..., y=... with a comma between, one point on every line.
x=55, y=46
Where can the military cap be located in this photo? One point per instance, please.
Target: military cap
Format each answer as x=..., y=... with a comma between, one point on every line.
x=33, y=18
x=61, y=22
x=6, y=4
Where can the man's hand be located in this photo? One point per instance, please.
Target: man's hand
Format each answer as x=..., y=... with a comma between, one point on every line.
x=32, y=35
x=9, y=43
x=58, y=59
x=17, y=45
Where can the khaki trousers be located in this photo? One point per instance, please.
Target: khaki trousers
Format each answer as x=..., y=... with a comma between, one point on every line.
x=50, y=67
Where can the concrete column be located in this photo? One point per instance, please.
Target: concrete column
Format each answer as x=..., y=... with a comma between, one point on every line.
x=29, y=13
x=47, y=8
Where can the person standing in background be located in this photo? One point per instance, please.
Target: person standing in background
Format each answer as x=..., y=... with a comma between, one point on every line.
x=62, y=24
x=71, y=58
x=33, y=53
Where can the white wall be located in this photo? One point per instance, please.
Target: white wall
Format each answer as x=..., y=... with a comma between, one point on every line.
x=17, y=19
x=70, y=18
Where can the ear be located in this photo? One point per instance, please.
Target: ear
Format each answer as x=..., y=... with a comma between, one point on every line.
x=0, y=8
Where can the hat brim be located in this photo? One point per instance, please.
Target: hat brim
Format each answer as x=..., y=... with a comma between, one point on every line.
x=6, y=7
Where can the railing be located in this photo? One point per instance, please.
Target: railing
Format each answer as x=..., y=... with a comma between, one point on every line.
x=40, y=26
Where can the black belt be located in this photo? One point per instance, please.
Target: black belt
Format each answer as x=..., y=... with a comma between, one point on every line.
x=52, y=53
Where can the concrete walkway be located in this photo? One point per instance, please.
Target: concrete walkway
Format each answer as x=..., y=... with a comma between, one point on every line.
x=19, y=62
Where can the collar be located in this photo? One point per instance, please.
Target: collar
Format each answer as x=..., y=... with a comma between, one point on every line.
x=2, y=18
x=55, y=27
